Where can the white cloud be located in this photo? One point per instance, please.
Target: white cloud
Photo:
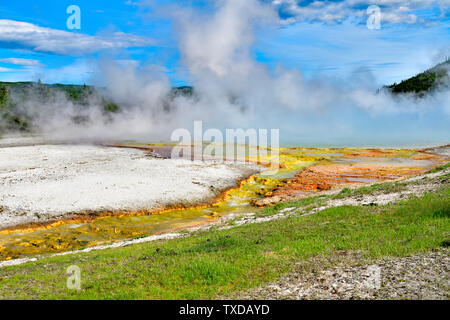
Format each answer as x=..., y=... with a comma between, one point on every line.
x=6, y=69
x=21, y=62
x=392, y=11
x=24, y=35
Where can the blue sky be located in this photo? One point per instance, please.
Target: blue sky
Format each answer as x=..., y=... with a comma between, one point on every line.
x=317, y=37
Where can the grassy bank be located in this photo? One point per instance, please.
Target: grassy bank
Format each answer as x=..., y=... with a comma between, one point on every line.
x=220, y=262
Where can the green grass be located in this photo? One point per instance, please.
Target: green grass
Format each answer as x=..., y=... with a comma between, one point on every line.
x=304, y=203
x=387, y=187
x=220, y=262
x=440, y=168
x=316, y=201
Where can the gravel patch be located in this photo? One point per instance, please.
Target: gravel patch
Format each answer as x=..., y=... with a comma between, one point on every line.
x=421, y=276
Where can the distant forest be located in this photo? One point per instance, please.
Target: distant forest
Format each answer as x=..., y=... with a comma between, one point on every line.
x=15, y=95
x=424, y=82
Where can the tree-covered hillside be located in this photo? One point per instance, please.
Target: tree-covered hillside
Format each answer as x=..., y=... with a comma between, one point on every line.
x=429, y=80
x=15, y=98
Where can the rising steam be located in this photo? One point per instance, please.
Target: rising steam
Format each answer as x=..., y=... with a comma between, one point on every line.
x=233, y=90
